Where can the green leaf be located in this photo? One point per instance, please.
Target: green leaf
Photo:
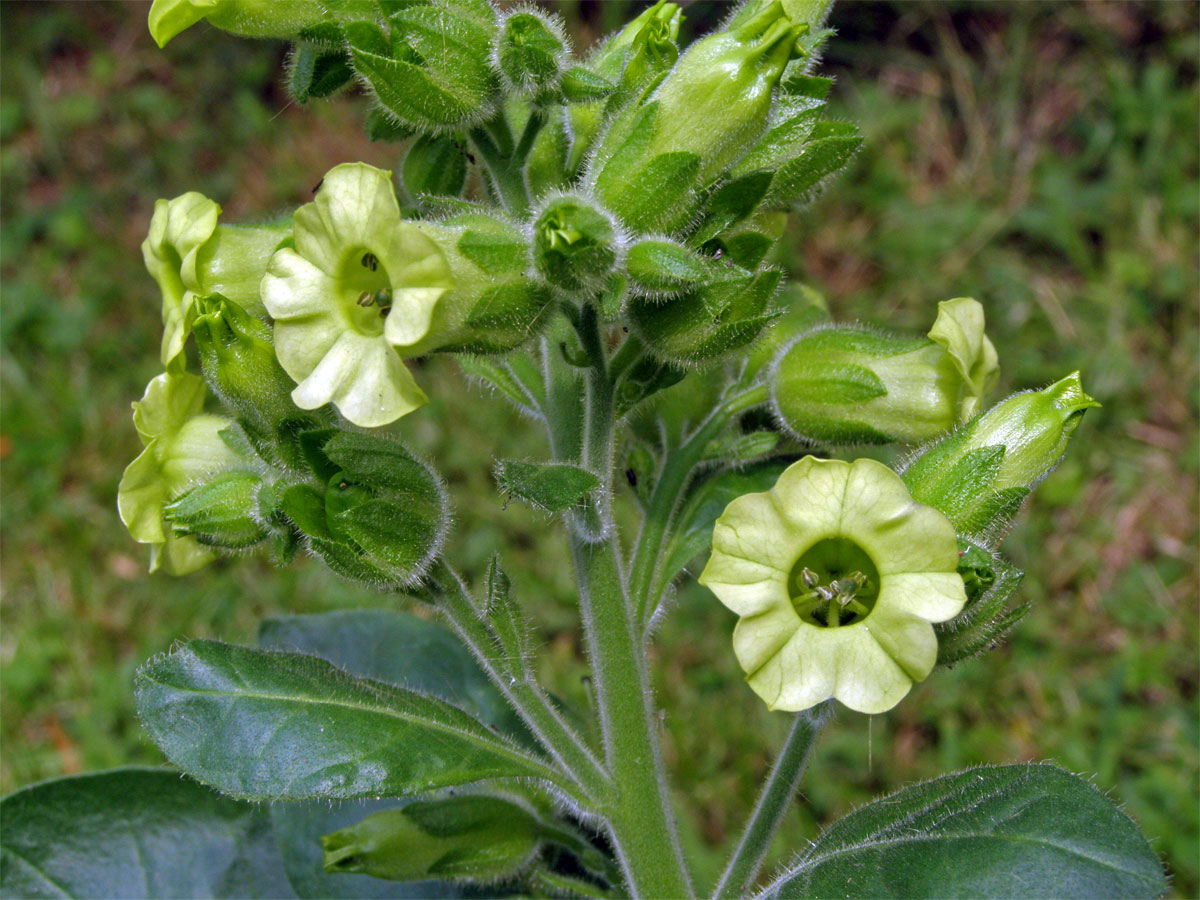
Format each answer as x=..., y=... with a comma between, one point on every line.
x=828, y=150
x=507, y=619
x=549, y=486
x=365, y=642
x=500, y=378
x=443, y=80
x=1006, y=831
x=318, y=72
x=435, y=164
x=282, y=726
x=135, y=832
x=731, y=203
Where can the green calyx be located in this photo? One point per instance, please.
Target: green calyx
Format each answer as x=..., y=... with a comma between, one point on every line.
x=237, y=355
x=574, y=244
x=223, y=512
x=477, y=837
x=838, y=576
x=703, y=116
x=531, y=52
x=979, y=474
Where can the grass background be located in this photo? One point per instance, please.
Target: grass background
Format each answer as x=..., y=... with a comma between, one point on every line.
x=1040, y=157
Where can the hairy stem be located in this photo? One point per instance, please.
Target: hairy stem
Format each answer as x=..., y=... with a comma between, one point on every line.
x=677, y=472
x=641, y=822
x=773, y=802
x=523, y=694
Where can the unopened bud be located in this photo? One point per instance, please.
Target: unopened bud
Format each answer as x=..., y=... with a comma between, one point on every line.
x=703, y=117
x=222, y=512
x=574, y=244
x=979, y=475
x=238, y=358
x=473, y=837
x=531, y=51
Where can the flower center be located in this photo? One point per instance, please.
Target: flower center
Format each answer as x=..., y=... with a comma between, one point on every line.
x=834, y=583
x=365, y=292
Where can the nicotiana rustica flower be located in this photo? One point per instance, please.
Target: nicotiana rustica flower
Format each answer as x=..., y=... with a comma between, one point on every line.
x=837, y=574
x=359, y=283
x=178, y=229
x=183, y=447
x=190, y=255
x=846, y=385
x=249, y=18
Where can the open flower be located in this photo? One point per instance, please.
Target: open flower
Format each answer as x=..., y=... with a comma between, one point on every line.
x=183, y=447
x=178, y=229
x=359, y=283
x=837, y=574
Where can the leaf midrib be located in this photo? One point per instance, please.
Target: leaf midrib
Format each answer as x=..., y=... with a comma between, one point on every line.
x=488, y=741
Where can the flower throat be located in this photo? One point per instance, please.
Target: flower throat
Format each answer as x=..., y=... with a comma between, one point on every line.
x=833, y=583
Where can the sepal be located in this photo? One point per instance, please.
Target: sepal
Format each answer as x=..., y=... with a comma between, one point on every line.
x=575, y=244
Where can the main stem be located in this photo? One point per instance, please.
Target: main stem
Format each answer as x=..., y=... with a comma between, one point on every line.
x=641, y=820
x=773, y=802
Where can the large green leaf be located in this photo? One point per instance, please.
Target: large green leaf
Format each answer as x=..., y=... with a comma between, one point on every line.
x=135, y=832
x=389, y=646
x=266, y=725
x=1006, y=831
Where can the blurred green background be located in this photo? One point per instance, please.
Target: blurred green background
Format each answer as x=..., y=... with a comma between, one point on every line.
x=1040, y=157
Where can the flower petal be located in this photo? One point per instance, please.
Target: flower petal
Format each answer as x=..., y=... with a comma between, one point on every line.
x=899, y=534
x=908, y=640
x=170, y=400
x=294, y=288
x=411, y=314
x=179, y=555
x=810, y=493
x=934, y=596
x=178, y=228
x=140, y=498
x=364, y=379
x=355, y=207
x=959, y=328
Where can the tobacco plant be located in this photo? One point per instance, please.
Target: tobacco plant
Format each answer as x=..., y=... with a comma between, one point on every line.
x=590, y=236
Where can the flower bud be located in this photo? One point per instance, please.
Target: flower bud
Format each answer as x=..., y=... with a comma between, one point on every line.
x=476, y=837
x=575, y=245
x=633, y=57
x=702, y=118
x=846, y=385
x=531, y=51
x=248, y=18
x=222, y=512
x=238, y=358
x=979, y=475
x=706, y=324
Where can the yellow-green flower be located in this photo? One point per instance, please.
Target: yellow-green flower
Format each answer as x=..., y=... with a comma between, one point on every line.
x=178, y=229
x=359, y=283
x=837, y=575
x=190, y=255
x=183, y=447
x=249, y=18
